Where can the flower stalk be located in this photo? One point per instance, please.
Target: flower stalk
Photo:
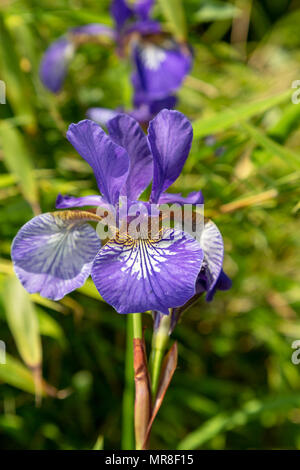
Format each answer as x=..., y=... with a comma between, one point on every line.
x=142, y=406
x=137, y=326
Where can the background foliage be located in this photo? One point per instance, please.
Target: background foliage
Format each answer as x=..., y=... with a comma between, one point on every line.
x=235, y=387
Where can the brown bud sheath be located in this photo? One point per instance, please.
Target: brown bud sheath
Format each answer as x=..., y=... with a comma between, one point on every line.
x=142, y=407
x=167, y=372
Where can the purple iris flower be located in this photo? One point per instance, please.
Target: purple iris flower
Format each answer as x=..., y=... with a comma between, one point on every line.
x=160, y=63
x=54, y=253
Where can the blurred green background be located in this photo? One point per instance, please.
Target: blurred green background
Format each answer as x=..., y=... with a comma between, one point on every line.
x=236, y=386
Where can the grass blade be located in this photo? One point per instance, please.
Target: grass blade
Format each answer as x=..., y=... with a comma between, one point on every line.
x=230, y=117
x=174, y=13
x=23, y=323
x=18, y=161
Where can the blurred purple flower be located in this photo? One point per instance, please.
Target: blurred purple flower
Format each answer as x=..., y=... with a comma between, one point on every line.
x=160, y=63
x=54, y=253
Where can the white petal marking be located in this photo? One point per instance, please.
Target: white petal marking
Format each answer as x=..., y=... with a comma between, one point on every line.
x=153, y=56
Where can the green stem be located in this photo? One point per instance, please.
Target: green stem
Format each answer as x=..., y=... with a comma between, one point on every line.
x=128, y=396
x=159, y=344
x=137, y=325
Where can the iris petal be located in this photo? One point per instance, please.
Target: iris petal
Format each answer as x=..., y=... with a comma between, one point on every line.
x=152, y=107
x=211, y=242
x=224, y=282
x=144, y=27
x=161, y=69
x=169, y=102
x=64, y=202
x=55, y=62
x=53, y=253
x=139, y=275
x=109, y=162
x=101, y=115
x=143, y=8
x=195, y=197
x=120, y=12
x=123, y=10
x=141, y=114
x=170, y=137
x=126, y=132
x=93, y=29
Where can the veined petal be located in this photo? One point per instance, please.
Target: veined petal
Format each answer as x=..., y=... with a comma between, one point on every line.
x=170, y=137
x=211, y=242
x=64, y=202
x=55, y=62
x=53, y=253
x=139, y=275
x=195, y=197
x=101, y=115
x=109, y=161
x=127, y=133
x=160, y=70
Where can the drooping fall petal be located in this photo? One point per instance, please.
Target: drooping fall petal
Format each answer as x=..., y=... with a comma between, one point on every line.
x=140, y=275
x=53, y=253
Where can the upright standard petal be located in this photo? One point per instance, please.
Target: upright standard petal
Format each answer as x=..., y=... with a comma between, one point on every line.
x=55, y=62
x=109, y=161
x=160, y=69
x=143, y=8
x=140, y=275
x=127, y=133
x=53, y=253
x=170, y=137
x=121, y=12
x=211, y=242
x=124, y=10
x=64, y=202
